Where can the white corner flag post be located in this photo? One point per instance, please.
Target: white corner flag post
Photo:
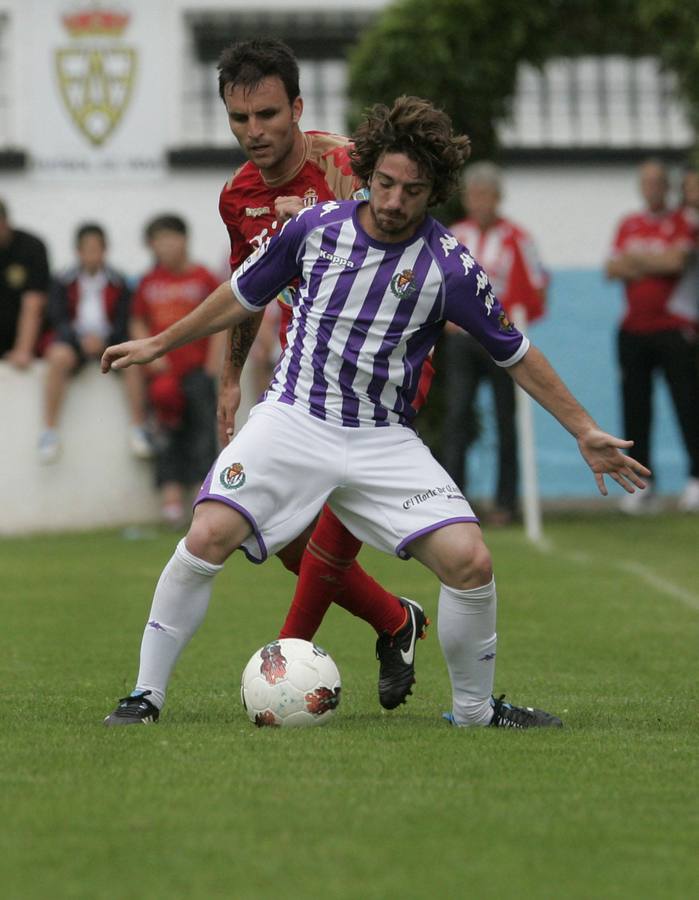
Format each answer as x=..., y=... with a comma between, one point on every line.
x=527, y=450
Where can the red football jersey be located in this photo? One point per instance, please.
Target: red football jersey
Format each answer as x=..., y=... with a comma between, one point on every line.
x=247, y=200
x=246, y=206
x=657, y=302
x=163, y=297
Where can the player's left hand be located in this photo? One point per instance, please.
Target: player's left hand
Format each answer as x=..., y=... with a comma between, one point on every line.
x=287, y=207
x=121, y=356
x=604, y=455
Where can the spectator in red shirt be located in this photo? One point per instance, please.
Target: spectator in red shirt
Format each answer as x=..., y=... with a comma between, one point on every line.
x=181, y=386
x=88, y=309
x=651, y=255
x=510, y=258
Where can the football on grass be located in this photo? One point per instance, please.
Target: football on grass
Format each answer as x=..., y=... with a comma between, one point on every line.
x=290, y=683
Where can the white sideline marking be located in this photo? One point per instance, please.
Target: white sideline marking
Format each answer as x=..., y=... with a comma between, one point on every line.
x=660, y=584
x=632, y=568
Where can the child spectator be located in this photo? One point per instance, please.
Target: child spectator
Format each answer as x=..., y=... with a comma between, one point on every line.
x=88, y=309
x=181, y=385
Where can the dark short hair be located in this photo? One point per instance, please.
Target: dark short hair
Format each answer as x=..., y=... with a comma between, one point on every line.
x=417, y=128
x=165, y=222
x=3, y=210
x=88, y=228
x=247, y=63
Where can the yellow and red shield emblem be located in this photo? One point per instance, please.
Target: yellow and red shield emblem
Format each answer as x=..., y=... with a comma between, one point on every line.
x=96, y=73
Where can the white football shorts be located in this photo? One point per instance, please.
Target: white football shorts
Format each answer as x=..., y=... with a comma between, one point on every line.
x=382, y=483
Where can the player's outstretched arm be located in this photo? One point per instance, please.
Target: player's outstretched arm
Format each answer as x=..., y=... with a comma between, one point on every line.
x=601, y=451
x=239, y=340
x=220, y=310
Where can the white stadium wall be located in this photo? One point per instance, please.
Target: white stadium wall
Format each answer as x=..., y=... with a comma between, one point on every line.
x=95, y=483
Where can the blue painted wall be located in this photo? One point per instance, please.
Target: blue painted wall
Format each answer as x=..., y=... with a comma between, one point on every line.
x=579, y=338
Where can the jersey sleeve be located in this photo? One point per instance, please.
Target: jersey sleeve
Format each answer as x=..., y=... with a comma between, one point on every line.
x=274, y=265
x=471, y=303
x=38, y=278
x=138, y=302
x=331, y=154
x=240, y=248
x=684, y=234
x=527, y=279
x=619, y=239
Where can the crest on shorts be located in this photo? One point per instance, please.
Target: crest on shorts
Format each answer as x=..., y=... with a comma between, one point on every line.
x=233, y=476
x=96, y=72
x=403, y=284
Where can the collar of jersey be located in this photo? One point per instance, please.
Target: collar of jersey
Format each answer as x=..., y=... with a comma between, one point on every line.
x=285, y=179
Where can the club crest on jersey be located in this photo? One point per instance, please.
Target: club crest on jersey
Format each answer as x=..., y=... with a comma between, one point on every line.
x=504, y=323
x=233, y=476
x=310, y=197
x=403, y=284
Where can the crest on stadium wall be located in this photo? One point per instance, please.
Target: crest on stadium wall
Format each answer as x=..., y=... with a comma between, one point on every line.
x=96, y=72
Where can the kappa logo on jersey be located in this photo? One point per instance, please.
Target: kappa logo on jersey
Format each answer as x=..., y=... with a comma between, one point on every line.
x=403, y=284
x=256, y=211
x=340, y=260
x=310, y=197
x=449, y=243
x=233, y=476
x=329, y=207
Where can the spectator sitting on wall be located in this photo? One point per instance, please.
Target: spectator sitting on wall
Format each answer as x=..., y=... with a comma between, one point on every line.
x=181, y=385
x=24, y=281
x=88, y=308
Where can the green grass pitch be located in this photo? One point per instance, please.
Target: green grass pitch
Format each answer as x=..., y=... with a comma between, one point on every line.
x=601, y=628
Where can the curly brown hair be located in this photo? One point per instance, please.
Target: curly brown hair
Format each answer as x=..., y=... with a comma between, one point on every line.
x=418, y=129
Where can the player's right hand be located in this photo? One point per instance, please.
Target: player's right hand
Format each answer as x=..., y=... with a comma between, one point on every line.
x=228, y=403
x=121, y=356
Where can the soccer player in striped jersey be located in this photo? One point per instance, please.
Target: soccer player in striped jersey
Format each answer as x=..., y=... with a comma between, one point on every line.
x=289, y=170
x=377, y=281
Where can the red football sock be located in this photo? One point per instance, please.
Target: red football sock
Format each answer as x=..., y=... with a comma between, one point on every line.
x=330, y=574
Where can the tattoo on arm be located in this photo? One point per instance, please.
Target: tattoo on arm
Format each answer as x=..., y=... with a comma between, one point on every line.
x=242, y=338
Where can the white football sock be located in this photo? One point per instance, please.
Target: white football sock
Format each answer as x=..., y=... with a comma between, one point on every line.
x=466, y=628
x=180, y=603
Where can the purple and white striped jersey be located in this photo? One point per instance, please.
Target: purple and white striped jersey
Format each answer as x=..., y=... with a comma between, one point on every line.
x=366, y=313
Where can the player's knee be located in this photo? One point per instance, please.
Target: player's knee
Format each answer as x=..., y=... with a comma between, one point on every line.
x=61, y=356
x=290, y=556
x=471, y=566
x=216, y=531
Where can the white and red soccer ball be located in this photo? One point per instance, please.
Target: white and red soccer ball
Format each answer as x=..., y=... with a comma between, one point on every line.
x=290, y=683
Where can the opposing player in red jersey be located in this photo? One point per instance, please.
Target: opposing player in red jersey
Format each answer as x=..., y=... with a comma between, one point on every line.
x=288, y=169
